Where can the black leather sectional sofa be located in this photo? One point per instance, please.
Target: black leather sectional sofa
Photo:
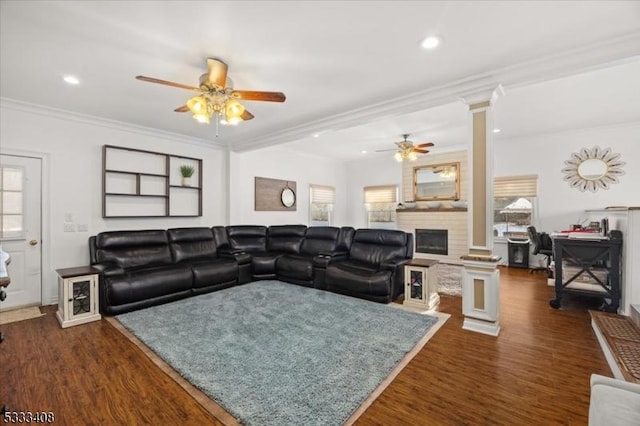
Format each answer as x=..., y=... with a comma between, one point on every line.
x=149, y=267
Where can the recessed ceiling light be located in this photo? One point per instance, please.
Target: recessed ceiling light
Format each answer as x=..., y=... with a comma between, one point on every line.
x=496, y=130
x=70, y=79
x=431, y=42
x=364, y=151
x=316, y=135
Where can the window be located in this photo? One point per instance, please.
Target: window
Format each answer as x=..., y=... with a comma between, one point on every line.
x=11, y=204
x=322, y=198
x=514, y=205
x=380, y=205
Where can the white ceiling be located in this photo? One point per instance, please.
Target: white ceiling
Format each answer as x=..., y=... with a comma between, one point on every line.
x=352, y=71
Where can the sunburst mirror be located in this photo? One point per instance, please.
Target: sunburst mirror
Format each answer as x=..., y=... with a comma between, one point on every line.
x=593, y=169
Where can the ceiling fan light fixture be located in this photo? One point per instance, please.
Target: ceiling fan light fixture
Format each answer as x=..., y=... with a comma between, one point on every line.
x=203, y=118
x=198, y=105
x=398, y=157
x=233, y=108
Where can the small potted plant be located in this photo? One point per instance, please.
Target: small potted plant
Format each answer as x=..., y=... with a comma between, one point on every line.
x=186, y=171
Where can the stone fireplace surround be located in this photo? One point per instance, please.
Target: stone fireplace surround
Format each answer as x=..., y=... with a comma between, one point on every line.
x=454, y=220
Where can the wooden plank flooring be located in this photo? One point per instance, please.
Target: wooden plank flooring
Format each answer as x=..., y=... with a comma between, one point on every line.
x=535, y=373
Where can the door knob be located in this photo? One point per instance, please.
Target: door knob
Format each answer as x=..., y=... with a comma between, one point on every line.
x=33, y=242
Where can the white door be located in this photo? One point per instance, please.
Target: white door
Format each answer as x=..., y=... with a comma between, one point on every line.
x=20, y=228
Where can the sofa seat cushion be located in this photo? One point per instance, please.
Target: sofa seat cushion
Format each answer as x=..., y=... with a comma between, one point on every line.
x=212, y=272
x=358, y=278
x=295, y=266
x=264, y=263
x=148, y=283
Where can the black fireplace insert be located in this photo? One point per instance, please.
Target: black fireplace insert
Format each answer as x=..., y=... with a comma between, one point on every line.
x=432, y=241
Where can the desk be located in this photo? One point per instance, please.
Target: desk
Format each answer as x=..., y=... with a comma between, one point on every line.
x=588, y=266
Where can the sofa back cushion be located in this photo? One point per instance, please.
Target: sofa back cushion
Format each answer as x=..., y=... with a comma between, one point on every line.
x=249, y=238
x=285, y=238
x=319, y=239
x=131, y=249
x=375, y=246
x=345, y=239
x=189, y=244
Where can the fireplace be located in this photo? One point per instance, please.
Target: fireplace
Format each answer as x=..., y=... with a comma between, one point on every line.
x=432, y=241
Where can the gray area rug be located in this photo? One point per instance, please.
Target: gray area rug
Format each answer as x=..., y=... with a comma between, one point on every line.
x=273, y=353
x=449, y=279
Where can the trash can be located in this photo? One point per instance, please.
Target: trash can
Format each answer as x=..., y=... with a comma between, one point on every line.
x=518, y=252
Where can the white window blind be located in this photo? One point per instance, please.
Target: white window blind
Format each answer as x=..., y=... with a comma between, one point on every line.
x=515, y=186
x=381, y=194
x=323, y=194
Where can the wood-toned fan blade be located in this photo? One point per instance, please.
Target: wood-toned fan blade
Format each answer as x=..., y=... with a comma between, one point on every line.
x=246, y=115
x=182, y=108
x=217, y=72
x=424, y=145
x=421, y=151
x=166, y=83
x=385, y=150
x=250, y=95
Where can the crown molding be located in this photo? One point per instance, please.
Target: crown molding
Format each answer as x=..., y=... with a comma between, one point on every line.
x=12, y=104
x=569, y=62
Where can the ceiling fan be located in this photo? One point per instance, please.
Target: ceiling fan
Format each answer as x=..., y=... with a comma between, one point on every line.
x=407, y=150
x=217, y=97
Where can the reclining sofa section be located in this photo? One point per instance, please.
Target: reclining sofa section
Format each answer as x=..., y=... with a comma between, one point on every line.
x=145, y=268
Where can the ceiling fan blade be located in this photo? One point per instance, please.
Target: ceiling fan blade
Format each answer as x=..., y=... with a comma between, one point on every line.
x=217, y=72
x=424, y=145
x=246, y=115
x=385, y=150
x=421, y=151
x=182, y=108
x=166, y=83
x=250, y=95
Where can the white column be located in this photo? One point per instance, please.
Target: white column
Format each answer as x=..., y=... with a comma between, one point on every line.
x=481, y=278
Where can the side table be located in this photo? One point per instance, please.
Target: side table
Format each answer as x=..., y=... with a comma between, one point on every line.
x=77, y=296
x=421, y=284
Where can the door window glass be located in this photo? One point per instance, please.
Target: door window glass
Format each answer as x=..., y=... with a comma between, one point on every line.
x=11, y=202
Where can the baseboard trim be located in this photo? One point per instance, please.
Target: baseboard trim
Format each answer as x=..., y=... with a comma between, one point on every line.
x=479, y=326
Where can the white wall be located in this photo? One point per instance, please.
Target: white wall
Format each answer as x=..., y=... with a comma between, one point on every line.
x=369, y=172
x=72, y=146
x=559, y=205
x=281, y=163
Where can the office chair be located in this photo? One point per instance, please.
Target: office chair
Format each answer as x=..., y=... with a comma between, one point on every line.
x=541, y=245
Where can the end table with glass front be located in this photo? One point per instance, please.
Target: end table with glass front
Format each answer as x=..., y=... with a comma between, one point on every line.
x=421, y=284
x=78, y=301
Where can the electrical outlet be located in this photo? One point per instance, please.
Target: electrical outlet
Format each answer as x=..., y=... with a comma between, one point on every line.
x=83, y=227
x=69, y=227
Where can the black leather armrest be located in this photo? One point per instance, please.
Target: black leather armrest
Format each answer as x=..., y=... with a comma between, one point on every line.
x=392, y=264
x=323, y=259
x=108, y=269
x=239, y=256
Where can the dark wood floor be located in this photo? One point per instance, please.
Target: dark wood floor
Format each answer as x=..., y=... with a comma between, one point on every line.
x=536, y=372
